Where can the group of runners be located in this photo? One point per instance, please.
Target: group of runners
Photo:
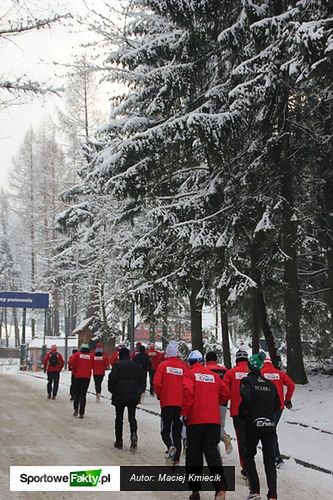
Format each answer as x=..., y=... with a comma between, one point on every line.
x=193, y=395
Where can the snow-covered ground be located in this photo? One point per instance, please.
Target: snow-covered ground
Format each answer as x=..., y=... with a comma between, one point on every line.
x=37, y=431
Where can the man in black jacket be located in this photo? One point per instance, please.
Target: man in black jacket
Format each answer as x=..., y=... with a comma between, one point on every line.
x=125, y=384
x=259, y=401
x=142, y=359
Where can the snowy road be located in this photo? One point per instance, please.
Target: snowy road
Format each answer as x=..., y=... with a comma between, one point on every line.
x=36, y=431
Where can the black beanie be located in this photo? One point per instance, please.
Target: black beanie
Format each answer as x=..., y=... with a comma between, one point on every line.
x=211, y=356
x=241, y=356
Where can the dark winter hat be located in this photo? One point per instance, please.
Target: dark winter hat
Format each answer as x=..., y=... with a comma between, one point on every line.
x=256, y=361
x=74, y=351
x=142, y=348
x=124, y=353
x=84, y=347
x=211, y=356
x=241, y=356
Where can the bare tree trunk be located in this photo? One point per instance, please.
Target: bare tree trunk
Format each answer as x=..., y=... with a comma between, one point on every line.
x=55, y=311
x=152, y=330
x=32, y=232
x=260, y=307
x=106, y=329
x=295, y=364
x=16, y=327
x=196, y=316
x=255, y=325
x=255, y=313
x=73, y=308
x=24, y=321
x=225, y=328
x=327, y=176
x=6, y=326
x=165, y=336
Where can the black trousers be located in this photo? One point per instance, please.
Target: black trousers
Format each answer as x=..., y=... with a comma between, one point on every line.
x=203, y=440
x=239, y=425
x=98, y=383
x=80, y=396
x=72, y=387
x=277, y=416
x=171, y=417
x=131, y=409
x=151, y=377
x=52, y=379
x=268, y=441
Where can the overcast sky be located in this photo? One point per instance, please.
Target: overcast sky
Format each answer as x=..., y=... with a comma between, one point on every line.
x=33, y=54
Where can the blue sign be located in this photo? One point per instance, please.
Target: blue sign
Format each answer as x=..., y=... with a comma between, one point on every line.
x=24, y=299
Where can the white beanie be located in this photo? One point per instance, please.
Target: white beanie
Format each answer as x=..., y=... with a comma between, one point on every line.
x=171, y=349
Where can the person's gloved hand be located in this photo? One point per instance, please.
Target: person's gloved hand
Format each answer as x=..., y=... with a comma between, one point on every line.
x=288, y=404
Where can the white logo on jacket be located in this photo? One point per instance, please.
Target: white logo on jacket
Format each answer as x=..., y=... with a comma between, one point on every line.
x=272, y=376
x=85, y=356
x=240, y=375
x=174, y=371
x=263, y=422
x=204, y=377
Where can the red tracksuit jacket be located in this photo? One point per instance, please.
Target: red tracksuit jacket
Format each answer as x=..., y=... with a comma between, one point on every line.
x=82, y=365
x=155, y=357
x=114, y=357
x=168, y=382
x=58, y=367
x=70, y=360
x=219, y=369
x=279, y=379
x=100, y=363
x=232, y=380
x=203, y=394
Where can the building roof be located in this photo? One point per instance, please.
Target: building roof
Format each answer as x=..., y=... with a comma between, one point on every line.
x=83, y=325
x=37, y=342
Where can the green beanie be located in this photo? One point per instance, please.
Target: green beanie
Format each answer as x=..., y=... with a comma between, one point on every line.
x=256, y=361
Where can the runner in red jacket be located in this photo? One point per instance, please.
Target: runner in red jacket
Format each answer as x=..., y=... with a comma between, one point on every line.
x=155, y=358
x=70, y=368
x=100, y=364
x=115, y=355
x=220, y=370
x=204, y=392
x=280, y=379
x=136, y=350
x=232, y=379
x=82, y=366
x=53, y=364
x=168, y=385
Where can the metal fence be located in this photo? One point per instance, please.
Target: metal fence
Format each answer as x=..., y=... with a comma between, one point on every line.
x=10, y=352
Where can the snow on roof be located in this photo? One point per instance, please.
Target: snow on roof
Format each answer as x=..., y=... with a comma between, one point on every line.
x=37, y=342
x=83, y=325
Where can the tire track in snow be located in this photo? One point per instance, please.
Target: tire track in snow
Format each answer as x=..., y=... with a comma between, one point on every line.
x=286, y=457
x=309, y=427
